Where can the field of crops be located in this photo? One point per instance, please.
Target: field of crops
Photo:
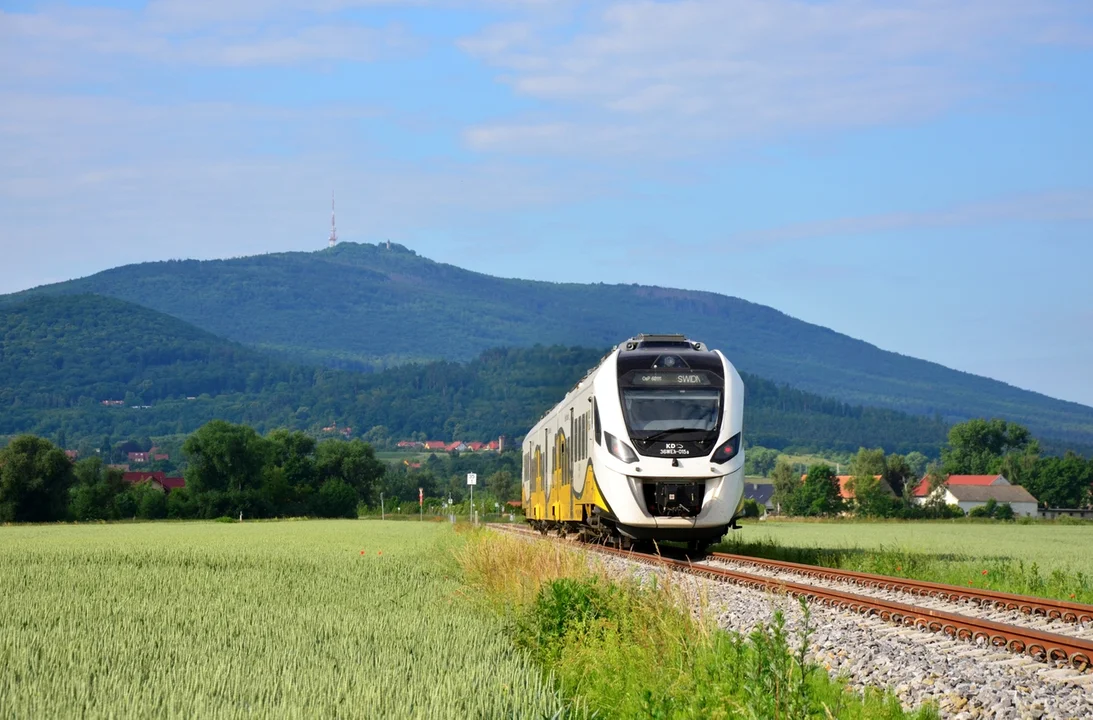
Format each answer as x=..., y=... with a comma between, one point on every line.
x=1062, y=547
x=1045, y=559
x=272, y=619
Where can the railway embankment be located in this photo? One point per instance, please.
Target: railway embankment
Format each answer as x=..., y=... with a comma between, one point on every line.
x=626, y=647
x=928, y=658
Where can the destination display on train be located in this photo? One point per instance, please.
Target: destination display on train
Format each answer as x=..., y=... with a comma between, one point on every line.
x=649, y=378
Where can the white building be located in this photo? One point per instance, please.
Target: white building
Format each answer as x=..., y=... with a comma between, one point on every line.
x=968, y=497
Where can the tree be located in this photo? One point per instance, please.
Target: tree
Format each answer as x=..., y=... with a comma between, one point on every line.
x=336, y=498
x=501, y=486
x=224, y=457
x=760, y=461
x=1061, y=482
x=819, y=494
x=977, y=447
x=898, y=473
x=787, y=484
x=95, y=492
x=377, y=435
x=353, y=462
x=871, y=497
x=151, y=503
x=290, y=476
x=868, y=463
x=35, y=476
x=917, y=463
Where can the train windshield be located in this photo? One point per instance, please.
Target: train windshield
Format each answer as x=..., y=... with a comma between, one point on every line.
x=682, y=410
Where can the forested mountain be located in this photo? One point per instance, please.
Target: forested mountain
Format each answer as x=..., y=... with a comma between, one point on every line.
x=62, y=356
x=364, y=305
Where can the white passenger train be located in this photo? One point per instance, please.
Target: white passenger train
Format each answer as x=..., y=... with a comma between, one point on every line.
x=647, y=446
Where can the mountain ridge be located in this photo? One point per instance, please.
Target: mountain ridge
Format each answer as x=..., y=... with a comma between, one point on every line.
x=370, y=306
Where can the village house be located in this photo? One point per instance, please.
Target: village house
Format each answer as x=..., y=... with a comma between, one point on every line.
x=971, y=491
x=922, y=490
x=969, y=497
x=455, y=446
x=158, y=480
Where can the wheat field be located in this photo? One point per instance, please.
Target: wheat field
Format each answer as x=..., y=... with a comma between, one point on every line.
x=269, y=619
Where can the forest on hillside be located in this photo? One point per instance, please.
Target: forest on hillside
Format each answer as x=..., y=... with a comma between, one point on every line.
x=62, y=357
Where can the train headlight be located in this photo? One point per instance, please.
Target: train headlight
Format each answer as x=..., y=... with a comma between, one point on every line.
x=727, y=450
x=620, y=449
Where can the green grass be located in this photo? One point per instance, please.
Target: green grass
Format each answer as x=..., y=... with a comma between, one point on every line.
x=389, y=456
x=1042, y=559
x=269, y=619
x=637, y=651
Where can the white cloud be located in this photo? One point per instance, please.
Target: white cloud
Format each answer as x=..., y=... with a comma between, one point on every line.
x=676, y=75
x=69, y=42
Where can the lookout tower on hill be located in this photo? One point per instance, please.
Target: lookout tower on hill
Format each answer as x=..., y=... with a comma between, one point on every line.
x=333, y=227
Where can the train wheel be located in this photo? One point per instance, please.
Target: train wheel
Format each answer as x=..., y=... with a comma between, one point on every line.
x=698, y=547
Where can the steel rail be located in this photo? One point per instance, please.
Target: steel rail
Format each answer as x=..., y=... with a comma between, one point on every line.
x=1044, y=607
x=1044, y=646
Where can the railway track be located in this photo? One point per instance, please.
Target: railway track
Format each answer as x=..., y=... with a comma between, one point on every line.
x=1067, y=612
x=1045, y=646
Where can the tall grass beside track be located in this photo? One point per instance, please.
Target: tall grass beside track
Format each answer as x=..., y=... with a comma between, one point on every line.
x=274, y=619
x=1052, y=560
x=632, y=650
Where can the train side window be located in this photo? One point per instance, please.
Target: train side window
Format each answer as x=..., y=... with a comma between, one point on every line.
x=584, y=433
x=596, y=421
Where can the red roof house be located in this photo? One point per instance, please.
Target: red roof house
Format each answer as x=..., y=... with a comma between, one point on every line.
x=156, y=478
x=923, y=488
x=434, y=445
x=159, y=479
x=475, y=446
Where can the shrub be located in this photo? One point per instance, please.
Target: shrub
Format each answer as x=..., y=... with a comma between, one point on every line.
x=181, y=505
x=751, y=509
x=335, y=499
x=152, y=504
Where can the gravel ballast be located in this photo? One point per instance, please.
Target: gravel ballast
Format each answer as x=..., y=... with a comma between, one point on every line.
x=962, y=679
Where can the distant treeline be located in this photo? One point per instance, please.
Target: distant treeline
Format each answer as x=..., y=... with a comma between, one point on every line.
x=231, y=469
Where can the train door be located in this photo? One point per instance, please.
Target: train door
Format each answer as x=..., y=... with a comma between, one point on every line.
x=548, y=485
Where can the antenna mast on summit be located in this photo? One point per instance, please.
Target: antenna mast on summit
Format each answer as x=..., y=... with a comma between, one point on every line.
x=333, y=226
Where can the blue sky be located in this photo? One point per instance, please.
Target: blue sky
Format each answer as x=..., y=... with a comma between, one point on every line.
x=915, y=173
